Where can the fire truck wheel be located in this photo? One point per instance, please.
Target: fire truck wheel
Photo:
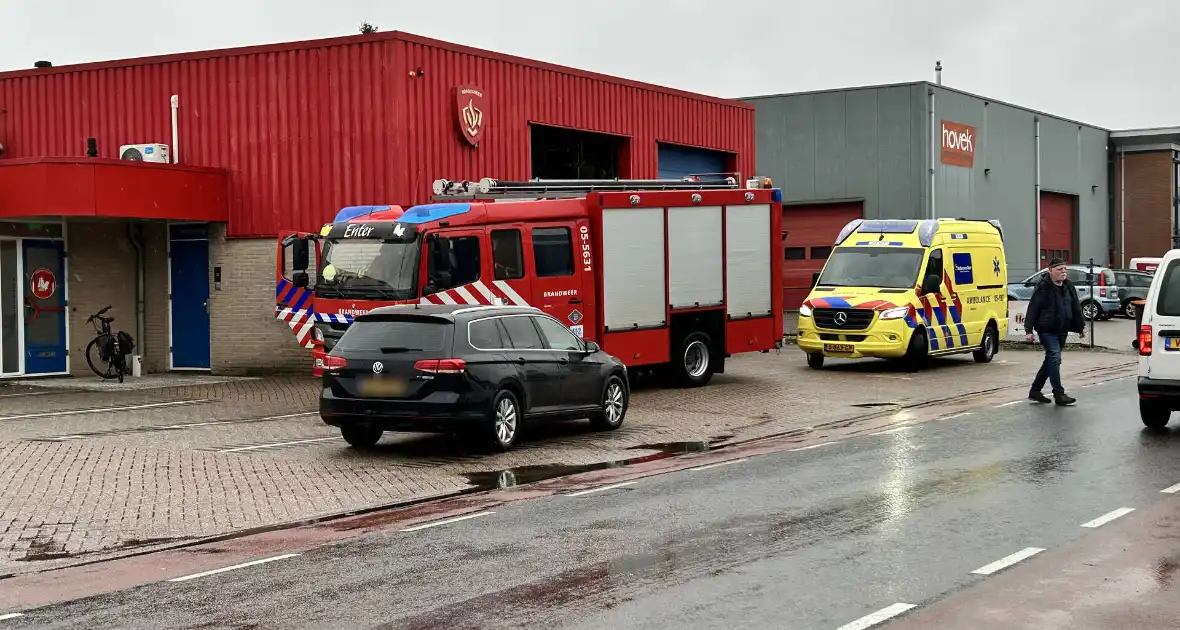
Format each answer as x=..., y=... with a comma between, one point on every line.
x=361, y=436
x=693, y=364
x=614, y=406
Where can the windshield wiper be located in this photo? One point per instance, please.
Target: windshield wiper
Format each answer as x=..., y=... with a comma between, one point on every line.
x=396, y=349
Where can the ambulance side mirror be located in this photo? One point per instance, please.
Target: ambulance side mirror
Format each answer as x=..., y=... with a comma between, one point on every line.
x=814, y=279
x=931, y=284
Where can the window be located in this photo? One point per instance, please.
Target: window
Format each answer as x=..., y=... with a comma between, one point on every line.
x=934, y=265
x=507, y=256
x=1043, y=255
x=553, y=252
x=795, y=253
x=557, y=336
x=1168, y=302
x=522, y=333
x=463, y=252
x=883, y=267
x=821, y=253
x=485, y=334
x=367, y=335
x=1077, y=276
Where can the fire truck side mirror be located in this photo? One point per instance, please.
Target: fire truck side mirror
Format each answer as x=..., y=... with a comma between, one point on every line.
x=300, y=255
x=300, y=279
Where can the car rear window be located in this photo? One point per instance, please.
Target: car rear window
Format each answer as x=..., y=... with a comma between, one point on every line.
x=413, y=334
x=1168, y=302
x=484, y=334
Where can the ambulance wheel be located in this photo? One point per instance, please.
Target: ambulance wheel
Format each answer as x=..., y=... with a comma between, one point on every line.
x=987, y=347
x=692, y=365
x=918, y=352
x=815, y=360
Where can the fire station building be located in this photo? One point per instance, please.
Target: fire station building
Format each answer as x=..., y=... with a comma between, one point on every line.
x=157, y=186
x=923, y=150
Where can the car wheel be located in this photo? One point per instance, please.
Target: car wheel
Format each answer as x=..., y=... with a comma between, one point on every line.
x=361, y=436
x=988, y=346
x=505, y=421
x=614, y=405
x=1153, y=414
x=1129, y=310
x=1090, y=311
x=815, y=360
x=693, y=363
x=918, y=351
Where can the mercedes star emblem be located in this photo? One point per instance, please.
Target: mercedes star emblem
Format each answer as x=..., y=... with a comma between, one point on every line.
x=841, y=319
x=377, y=367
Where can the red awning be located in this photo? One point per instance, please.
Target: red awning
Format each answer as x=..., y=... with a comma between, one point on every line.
x=73, y=187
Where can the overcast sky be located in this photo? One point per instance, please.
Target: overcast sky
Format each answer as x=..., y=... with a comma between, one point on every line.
x=1111, y=64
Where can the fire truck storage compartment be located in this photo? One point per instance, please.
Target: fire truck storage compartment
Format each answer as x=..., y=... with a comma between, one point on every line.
x=633, y=278
x=748, y=261
x=694, y=257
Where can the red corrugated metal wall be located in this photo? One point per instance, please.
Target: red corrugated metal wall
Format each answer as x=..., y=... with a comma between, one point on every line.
x=307, y=128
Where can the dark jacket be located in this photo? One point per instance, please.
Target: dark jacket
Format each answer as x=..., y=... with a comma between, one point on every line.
x=1054, y=310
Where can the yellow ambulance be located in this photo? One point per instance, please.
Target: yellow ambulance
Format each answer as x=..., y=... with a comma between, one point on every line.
x=908, y=290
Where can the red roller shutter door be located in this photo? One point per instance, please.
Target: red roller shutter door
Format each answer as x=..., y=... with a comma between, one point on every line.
x=808, y=234
x=1058, y=227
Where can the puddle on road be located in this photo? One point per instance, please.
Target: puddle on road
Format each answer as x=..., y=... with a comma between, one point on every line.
x=532, y=474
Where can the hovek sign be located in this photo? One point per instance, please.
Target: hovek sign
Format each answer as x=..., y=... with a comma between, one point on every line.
x=958, y=144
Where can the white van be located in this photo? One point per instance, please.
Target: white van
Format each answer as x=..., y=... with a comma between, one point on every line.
x=1145, y=264
x=1158, y=343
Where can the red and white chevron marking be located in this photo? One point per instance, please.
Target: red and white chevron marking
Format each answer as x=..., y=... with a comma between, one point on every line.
x=477, y=293
x=301, y=323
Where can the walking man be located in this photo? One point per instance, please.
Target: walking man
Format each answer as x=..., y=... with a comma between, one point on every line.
x=1053, y=312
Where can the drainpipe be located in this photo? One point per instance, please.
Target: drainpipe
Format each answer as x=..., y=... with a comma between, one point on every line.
x=1037, y=136
x=175, y=129
x=1123, y=207
x=134, y=234
x=935, y=147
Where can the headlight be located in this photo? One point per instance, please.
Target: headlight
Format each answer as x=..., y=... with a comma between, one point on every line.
x=895, y=313
x=804, y=311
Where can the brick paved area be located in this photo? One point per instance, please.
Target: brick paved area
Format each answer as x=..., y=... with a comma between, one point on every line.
x=191, y=461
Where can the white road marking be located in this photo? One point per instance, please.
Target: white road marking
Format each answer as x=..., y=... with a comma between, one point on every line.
x=234, y=567
x=237, y=420
x=732, y=461
x=25, y=394
x=11, y=616
x=600, y=489
x=955, y=415
x=63, y=438
x=884, y=614
x=1008, y=561
x=447, y=521
x=808, y=448
x=74, y=412
x=1009, y=404
x=1108, y=517
x=1171, y=489
x=275, y=445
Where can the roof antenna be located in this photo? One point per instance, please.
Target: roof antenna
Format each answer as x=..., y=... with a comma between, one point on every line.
x=938, y=73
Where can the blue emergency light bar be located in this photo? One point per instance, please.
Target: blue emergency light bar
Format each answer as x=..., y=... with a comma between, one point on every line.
x=352, y=212
x=433, y=212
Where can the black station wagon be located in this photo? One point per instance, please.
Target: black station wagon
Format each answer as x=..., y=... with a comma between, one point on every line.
x=457, y=368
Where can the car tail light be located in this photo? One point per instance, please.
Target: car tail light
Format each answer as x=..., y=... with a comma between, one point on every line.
x=1145, y=340
x=334, y=363
x=441, y=366
x=1102, y=292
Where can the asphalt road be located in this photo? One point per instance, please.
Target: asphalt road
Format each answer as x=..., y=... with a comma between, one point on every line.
x=814, y=538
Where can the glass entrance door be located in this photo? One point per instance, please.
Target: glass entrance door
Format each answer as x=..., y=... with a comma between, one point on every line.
x=11, y=326
x=45, y=306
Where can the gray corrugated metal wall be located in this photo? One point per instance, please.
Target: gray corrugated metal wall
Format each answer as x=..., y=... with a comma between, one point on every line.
x=875, y=143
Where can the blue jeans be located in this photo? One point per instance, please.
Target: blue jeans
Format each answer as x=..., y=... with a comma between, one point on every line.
x=1051, y=367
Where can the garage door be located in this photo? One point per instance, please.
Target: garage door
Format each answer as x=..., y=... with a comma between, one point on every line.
x=676, y=161
x=1058, y=227
x=808, y=235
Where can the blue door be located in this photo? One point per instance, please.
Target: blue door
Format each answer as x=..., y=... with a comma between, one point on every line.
x=45, y=307
x=190, y=304
x=676, y=161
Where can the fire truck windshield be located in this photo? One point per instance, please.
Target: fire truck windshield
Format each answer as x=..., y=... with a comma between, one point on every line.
x=368, y=269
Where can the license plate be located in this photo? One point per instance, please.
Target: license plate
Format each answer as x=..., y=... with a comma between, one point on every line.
x=1172, y=343
x=382, y=387
x=839, y=348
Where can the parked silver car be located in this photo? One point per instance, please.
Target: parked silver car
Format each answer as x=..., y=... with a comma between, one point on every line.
x=1133, y=285
x=1102, y=305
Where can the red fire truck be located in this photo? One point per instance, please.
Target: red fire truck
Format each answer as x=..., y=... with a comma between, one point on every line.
x=670, y=274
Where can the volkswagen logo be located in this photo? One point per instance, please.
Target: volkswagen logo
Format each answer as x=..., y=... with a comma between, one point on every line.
x=840, y=318
x=377, y=367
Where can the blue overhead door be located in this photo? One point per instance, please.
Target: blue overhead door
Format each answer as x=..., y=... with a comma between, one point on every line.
x=677, y=161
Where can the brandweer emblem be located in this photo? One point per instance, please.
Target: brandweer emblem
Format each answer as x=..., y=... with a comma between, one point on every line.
x=471, y=117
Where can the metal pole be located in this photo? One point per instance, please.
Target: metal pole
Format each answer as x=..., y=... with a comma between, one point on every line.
x=1090, y=279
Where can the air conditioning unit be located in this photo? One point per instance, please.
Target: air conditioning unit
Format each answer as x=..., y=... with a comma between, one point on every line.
x=144, y=153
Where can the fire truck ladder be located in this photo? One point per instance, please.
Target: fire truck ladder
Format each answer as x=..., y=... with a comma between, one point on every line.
x=488, y=188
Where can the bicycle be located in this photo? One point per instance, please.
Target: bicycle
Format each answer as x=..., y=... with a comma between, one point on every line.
x=110, y=349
